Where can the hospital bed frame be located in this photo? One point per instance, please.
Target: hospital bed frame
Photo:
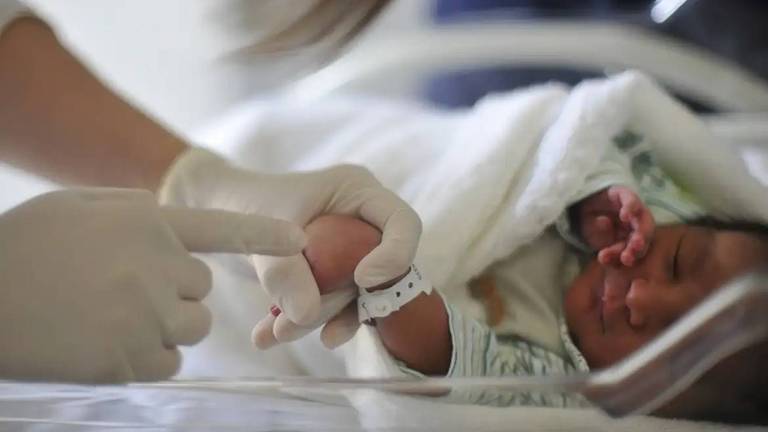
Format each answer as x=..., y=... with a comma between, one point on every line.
x=393, y=66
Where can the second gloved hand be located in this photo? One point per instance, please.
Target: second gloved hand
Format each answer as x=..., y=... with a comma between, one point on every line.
x=201, y=179
x=98, y=285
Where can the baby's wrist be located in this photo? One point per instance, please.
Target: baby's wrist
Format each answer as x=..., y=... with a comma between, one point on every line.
x=387, y=300
x=382, y=287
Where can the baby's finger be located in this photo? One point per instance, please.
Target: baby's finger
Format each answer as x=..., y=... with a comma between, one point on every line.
x=631, y=206
x=626, y=201
x=628, y=214
x=611, y=253
x=627, y=258
x=636, y=249
x=646, y=225
x=637, y=244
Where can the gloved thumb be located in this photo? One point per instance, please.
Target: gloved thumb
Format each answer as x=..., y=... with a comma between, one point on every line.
x=331, y=305
x=394, y=254
x=341, y=328
x=204, y=230
x=290, y=285
x=338, y=309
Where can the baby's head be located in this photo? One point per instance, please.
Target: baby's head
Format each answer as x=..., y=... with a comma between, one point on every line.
x=684, y=264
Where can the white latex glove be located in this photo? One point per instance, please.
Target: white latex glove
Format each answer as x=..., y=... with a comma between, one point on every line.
x=97, y=285
x=338, y=316
x=202, y=179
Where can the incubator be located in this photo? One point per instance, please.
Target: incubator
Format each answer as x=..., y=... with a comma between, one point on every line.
x=400, y=68
x=731, y=320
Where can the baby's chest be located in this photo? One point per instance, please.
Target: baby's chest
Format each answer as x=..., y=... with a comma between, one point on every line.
x=522, y=294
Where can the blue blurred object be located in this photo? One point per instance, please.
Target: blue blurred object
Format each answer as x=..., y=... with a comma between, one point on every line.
x=446, y=11
x=463, y=87
x=735, y=29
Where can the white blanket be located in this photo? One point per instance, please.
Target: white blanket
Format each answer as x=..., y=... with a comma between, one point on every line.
x=487, y=180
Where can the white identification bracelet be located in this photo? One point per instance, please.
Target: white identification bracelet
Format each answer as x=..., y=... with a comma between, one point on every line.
x=379, y=304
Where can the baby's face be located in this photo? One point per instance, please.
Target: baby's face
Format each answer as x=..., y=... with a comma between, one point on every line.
x=613, y=310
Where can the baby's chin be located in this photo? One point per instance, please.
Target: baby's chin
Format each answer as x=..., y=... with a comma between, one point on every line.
x=582, y=302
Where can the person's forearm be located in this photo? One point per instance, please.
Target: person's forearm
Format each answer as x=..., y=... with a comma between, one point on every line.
x=419, y=334
x=59, y=121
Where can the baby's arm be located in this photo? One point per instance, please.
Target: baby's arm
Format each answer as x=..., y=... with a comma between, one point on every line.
x=427, y=335
x=418, y=334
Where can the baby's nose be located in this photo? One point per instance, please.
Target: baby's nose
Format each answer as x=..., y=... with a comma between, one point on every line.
x=652, y=303
x=640, y=302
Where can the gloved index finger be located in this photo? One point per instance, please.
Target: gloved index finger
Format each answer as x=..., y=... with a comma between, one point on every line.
x=207, y=230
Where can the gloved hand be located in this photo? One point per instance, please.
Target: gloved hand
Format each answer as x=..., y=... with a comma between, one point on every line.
x=202, y=179
x=335, y=245
x=97, y=285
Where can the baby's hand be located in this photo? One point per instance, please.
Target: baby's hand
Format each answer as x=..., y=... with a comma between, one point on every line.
x=335, y=246
x=616, y=223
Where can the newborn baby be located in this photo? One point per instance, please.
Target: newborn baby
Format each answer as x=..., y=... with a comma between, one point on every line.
x=611, y=309
x=683, y=264
x=597, y=285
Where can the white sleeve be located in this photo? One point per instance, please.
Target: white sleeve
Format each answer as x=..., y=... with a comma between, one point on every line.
x=10, y=10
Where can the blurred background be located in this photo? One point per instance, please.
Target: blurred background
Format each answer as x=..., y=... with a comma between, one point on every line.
x=177, y=59
x=174, y=57
x=171, y=56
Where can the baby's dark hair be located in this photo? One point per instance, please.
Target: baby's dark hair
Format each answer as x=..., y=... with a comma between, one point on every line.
x=736, y=390
x=748, y=227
